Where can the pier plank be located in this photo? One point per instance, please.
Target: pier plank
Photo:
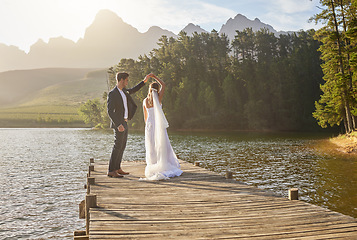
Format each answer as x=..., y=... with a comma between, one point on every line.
x=202, y=204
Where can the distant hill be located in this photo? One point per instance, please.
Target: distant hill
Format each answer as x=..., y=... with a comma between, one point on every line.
x=107, y=40
x=51, y=86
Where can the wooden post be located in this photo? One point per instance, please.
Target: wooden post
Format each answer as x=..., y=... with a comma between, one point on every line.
x=82, y=210
x=91, y=168
x=91, y=202
x=293, y=194
x=91, y=160
x=196, y=163
x=80, y=235
x=88, y=188
x=229, y=175
x=90, y=181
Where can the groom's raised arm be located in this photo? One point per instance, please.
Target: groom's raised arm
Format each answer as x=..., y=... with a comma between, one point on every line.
x=136, y=88
x=140, y=85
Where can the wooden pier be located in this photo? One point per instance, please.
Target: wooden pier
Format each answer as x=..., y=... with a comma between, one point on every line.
x=200, y=204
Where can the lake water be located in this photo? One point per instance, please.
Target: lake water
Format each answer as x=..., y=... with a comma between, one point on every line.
x=42, y=171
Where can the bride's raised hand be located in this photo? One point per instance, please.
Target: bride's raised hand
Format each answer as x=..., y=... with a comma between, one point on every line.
x=147, y=77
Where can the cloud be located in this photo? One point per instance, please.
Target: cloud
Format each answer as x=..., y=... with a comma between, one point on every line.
x=294, y=6
x=291, y=15
x=173, y=15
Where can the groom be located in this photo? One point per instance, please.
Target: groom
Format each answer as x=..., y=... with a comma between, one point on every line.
x=121, y=108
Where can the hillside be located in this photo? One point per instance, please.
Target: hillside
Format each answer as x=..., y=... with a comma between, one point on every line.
x=47, y=95
x=52, y=85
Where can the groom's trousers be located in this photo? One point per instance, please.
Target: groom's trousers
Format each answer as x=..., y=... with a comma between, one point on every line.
x=118, y=148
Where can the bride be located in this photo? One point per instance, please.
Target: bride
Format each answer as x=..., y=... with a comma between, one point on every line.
x=161, y=160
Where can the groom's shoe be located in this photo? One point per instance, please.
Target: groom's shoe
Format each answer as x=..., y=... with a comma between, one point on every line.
x=114, y=175
x=122, y=172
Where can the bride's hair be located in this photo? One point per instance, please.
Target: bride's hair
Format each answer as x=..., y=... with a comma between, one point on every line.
x=155, y=85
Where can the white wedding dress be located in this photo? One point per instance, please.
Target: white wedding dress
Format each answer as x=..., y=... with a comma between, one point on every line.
x=161, y=160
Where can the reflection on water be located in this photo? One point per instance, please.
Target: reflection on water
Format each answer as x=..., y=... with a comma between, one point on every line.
x=42, y=171
x=336, y=175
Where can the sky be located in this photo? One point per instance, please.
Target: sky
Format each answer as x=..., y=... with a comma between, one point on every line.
x=23, y=22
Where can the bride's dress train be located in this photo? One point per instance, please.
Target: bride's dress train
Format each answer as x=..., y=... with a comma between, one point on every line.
x=161, y=160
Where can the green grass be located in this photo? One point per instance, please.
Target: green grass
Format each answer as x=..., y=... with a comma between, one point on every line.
x=41, y=116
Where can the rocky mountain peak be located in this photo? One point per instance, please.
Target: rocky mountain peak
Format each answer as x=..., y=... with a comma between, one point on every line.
x=241, y=22
x=191, y=28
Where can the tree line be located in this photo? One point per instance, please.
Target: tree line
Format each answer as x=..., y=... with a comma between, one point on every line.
x=255, y=82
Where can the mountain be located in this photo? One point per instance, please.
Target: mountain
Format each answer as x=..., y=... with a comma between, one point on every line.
x=11, y=58
x=107, y=40
x=52, y=54
x=191, y=28
x=240, y=22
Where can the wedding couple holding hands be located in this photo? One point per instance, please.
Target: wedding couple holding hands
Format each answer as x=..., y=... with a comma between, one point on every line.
x=161, y=160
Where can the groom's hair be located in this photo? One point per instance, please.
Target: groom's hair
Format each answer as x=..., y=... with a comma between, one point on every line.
x=121, y=75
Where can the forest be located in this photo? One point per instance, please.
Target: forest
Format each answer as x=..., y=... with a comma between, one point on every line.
x=256, y=82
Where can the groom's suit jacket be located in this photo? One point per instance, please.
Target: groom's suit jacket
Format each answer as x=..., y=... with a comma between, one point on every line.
x=115, y=105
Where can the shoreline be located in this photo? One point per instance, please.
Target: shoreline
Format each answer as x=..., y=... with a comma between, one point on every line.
x=346, y=143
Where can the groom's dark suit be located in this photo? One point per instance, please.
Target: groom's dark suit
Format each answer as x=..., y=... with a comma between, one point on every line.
x=116, y=114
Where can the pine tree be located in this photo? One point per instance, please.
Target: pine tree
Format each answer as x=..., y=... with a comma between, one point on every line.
x=338, y=102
